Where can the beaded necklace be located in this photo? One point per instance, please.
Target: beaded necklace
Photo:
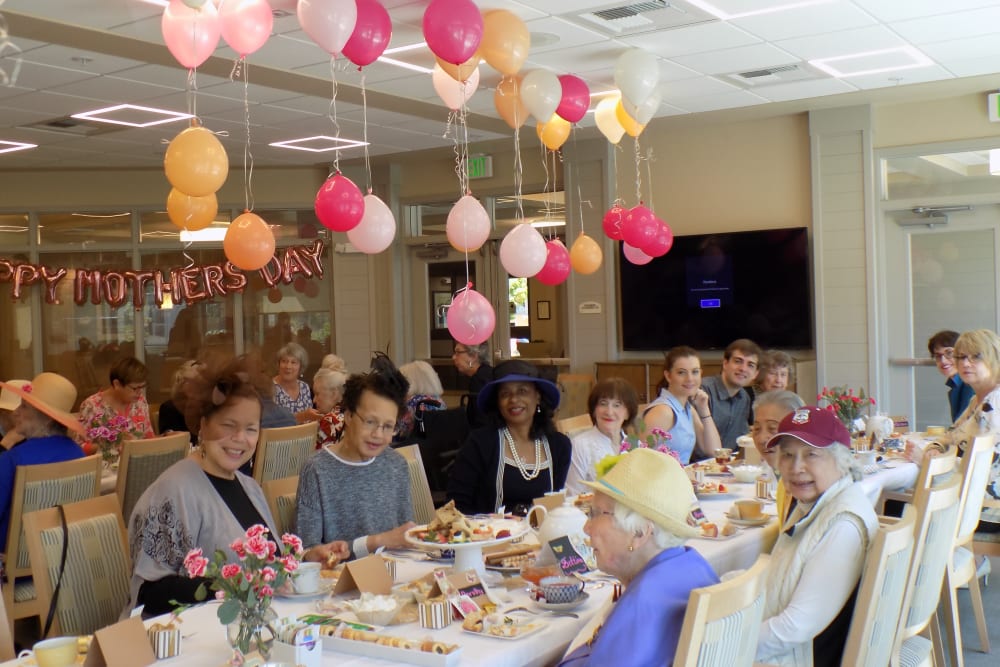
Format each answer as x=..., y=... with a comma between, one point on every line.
x=519, y=462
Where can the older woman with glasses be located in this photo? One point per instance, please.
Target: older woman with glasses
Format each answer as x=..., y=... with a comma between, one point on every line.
x=124, y=399
x=942, y=349
x=358, y=489
x=473, y=361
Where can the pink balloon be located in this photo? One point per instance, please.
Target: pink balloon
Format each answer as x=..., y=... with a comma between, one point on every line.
x=639, y=227
x=468, y=225
x=371, y=35
x=635, y=255
x=339, y=204
x=454, y=93
x=575, y=98
x=471, y=318
x=246, y=24
x=191, y=35
x=613, y=221
x=329, y=23
x=662, y=241
x=377, y=228
x=556, y=268
x=522, y=251
x=453, y=29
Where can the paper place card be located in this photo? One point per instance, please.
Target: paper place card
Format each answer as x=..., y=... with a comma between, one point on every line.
x=124, y=644
x=567, y=557
x=368, y=575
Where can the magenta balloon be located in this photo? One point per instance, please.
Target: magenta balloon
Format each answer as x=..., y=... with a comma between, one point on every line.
x=339, y=204
x=371, y=35
x=639, y=227
x=635, y=255
x=471, y=318
x=377, y=228
x=662, y=241
x=613, y=221
x=453, y=29
x=191, y=35
x=329, y=23
x=246, y=24
x=556, y=268
x=575, y=98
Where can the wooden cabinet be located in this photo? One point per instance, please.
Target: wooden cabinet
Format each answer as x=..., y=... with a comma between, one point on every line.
x=645, y=375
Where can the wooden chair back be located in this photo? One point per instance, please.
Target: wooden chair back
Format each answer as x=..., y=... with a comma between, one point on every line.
x=420, y=489
x=281, y=452
x=95, y=583
x=933, y=470
x=880, y=594
x=281, y=495
x=38, y=487
x=142, y=461
x=722, y=622
x=6, y=633
x=573, y=425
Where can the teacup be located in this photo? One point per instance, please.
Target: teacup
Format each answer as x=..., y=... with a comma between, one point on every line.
x=723, y=455
x=748, y=508
x=55, y=652
x=306, y=578
x=561, y=589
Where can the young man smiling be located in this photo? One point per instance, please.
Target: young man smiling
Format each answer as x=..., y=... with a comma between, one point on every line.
x=730, y=405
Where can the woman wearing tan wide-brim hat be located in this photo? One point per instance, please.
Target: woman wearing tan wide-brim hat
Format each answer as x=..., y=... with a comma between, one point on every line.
x=8, y=403
x=43, y=417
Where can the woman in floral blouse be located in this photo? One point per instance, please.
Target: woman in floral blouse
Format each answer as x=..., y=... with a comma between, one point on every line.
x=119, y=412
x=290, y=391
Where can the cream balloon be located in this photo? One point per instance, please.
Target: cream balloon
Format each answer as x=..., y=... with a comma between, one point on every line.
x=468, y=225
x=377, y=228
x=643, y=113
x=637, y=73
x=585, y=256
x=607, y=119
x=453, y=93
x=522, y=251
x=541, y=93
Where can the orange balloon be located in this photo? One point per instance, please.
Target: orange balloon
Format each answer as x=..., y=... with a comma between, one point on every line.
x=629, y=124
x=507, y=100
x=249, y=242
x=191, y=213
x=460, y=72
x=585, y=256
x=196, y=163
x=554, y=133
x=505, y=41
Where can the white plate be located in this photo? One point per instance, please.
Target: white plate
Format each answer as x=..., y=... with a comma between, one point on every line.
x=720, y=538
x=528, y=628
x=325, y=586
x=762, y=521
x=563, y=606
x=517, y=528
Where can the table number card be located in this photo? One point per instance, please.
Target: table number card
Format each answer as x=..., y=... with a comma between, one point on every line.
x=124, y=644
x=367, y=575
x=567, y=557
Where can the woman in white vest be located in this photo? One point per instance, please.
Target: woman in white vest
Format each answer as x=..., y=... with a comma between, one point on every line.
x=816, y=563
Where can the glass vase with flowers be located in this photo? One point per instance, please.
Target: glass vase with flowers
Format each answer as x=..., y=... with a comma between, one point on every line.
x=848, y=405
x=107, y=436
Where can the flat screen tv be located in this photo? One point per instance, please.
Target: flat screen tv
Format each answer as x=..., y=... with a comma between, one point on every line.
x=711, y=289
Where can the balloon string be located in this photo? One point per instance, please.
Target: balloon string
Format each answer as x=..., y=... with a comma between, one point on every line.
x=518, y=171
x=451, y=131
x=247, y=153
x=364, y=131
x=638, y=173
x=331, y=112
x=649, y=175
x=614, y=169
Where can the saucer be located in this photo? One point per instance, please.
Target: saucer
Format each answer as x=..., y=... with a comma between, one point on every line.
x=760, y=521
x=563, y=606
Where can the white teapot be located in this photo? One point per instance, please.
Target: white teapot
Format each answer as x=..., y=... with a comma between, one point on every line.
x=552, y=524
x=878, y=428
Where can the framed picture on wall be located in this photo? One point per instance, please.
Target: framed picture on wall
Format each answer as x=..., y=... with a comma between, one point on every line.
x=543, y=309
x=439, y=310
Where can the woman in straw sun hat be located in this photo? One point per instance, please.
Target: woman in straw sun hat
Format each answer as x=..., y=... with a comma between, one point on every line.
x=643, y=511
x=43, y=418
x=8, y=403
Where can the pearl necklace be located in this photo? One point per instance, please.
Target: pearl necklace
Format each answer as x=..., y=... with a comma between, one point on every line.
x=519, y=462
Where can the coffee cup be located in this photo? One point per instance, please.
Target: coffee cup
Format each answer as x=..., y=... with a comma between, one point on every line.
x=748, y=508
x=306, y=578
x=55, y=652
x=560, y=590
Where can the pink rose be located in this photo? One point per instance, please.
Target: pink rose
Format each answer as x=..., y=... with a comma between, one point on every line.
x=272, y=549
x=266, y=591
x=195, y=563
x=257, y=546
x=268, y=574
x=238, y=548
x=256, y=530
x=292, y=541
x=290, y=562
x=231, y=570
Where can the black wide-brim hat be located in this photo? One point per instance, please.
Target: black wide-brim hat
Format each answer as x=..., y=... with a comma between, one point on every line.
x=515, y=370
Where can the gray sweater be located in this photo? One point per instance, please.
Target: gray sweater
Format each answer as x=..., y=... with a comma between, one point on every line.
x=340, y=501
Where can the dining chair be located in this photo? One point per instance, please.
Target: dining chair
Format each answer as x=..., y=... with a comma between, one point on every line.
x=38, y=487
x=573, y=425
x=282, y=451
x=95, y=581
x=937, y=515
x=961, y=569
x=6, y=634
x=722, y=622
x=933, y=470
x=142, y=461
x=281, y=495
x=879, y=600
x=420, y=489
x=574, y=390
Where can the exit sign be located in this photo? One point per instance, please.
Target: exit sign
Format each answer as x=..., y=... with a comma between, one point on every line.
x=480, y=166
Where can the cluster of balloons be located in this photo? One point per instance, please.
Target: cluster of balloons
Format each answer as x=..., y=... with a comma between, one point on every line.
x=369, y=223
x=643, y=235
x=637, y=75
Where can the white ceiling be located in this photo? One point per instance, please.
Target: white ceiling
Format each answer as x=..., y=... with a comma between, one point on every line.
x=78, y=55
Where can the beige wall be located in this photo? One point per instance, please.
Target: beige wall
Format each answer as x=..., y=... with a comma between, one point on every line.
x=949, y=119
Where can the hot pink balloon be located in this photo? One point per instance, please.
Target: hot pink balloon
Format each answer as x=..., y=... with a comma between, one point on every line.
x=339, y=204
x=246, y=24
x=522, y=251
x=453, y=29
x=613, y=221
x=191, y=35
x=329, y=23
x=635, y=255
x=371, y=35
x=662, y=242
x=468, y=225
x=556, y=268
x=575, y=98
x=639, y=227
x=377, y=228
x=471, y=318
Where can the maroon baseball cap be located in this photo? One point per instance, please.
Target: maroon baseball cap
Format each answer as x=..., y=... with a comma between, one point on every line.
x=817, y=427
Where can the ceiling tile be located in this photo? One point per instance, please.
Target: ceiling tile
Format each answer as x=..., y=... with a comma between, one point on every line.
x=972, y=66
x=53, y=104
x=42, y=77
x=900, y=78
x=700, y=87
x=842, y=43
x=802, y=21
x=291, y=53
x=576, y=59
x=899, y=10
x=91, y=62
x=963, y=49
x=569, y=35
x=799, y=90
x=956, y=25
x=692, y=39
x=741, y=59
x=733, y=100
x=102, y=15
x=205, y=103
x=169, y=77
x=112, y=90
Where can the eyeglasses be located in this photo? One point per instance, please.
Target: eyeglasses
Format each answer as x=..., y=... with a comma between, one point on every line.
x=461, y=350
x=971, y=358
x=136, y=387
x=373, y=425
x=595, y=513
x=948, y=354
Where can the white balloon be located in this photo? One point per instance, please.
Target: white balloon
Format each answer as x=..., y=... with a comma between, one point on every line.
x=522, y=251
x=541, y=93
x=637, y=73
x=193, y=4
x=454, y=93
x=377, y=228
x=643, y=113
x=468, y=225
x=329, y=23
x=607, y=119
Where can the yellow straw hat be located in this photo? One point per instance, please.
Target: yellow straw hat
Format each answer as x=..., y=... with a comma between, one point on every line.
x=8, y=399
x=51, y=394
x=655, y=485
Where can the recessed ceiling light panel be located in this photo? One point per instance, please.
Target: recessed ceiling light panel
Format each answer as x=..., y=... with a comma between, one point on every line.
x=132, y=115
x=318, y=144
x=873, y=62
x=737, y=9
x=11, y=146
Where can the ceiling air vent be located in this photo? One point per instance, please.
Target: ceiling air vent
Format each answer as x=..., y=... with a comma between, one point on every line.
x=617, y=20
x=77, y=127
x=628, y=11
x=774, y=75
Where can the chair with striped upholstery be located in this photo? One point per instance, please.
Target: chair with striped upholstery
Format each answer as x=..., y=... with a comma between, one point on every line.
x=420, y=489
x=38, y=487
x=722, y=622
x=281, y=495
x=282, y=451
x=142, y=461
x=95, y=584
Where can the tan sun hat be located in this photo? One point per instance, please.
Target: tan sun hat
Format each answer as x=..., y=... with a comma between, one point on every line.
x=655, y=485
x=51, y=394
x=8, y=399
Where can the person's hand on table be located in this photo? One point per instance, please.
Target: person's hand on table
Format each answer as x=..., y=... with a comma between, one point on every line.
x=329, y=554
x=916, y=453
x=391, y=539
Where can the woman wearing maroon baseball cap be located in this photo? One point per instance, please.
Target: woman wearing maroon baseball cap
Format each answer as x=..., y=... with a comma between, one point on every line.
x=816, y=563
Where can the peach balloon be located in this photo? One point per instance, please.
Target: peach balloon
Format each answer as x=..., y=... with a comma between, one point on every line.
x=249, y=242
x=630, y=125
x=555, y=132
x=505, y=42
x=607, y=119
x=191, y=213
x=507, y=100
x=195, y=162
x=585, y=256
x=460, y=72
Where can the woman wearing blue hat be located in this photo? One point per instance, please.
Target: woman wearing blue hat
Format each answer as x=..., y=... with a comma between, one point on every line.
x=520, y=455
